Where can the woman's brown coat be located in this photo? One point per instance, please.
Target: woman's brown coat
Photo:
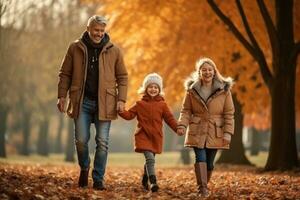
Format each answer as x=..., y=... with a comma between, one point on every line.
x=206, y=122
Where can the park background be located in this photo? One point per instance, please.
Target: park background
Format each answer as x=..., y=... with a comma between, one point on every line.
x=254, y=42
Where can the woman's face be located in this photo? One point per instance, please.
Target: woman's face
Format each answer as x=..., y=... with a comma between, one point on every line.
x=152, y=90
x=207, y=73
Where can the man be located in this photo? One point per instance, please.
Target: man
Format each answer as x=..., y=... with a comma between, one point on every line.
x=94, y=75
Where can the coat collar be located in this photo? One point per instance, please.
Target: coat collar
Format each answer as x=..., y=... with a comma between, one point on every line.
x=217, y=85
x=83, y=47
x=191, y=83
x=148, y=98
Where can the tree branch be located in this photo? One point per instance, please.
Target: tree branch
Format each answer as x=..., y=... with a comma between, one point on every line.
x=272, y=32
x=255, y=51
x=246, y=25
x=261, y=59
x=232, y=27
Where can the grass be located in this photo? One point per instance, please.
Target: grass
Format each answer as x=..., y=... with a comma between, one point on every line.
x=166, y=159
x=260, y=160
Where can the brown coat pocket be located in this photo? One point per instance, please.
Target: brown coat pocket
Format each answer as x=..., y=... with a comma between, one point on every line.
x=194, y=125
x=219, y=124
x=111, y=102
x=72, y=108
x=74, y=94
x=191, y=138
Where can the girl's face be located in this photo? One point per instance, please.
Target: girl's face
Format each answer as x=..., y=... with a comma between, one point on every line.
x=207, y=73
x=152, y=90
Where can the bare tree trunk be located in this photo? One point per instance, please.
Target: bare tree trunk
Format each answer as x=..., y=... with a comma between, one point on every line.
x=58, y=145
x=255, y=142
x=42, y=146
x=283, y=150
x=3, y=121
x=26, y=132
x=236, y=153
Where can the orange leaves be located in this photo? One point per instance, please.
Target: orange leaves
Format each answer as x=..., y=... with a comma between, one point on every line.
x=227, y=182
x=259, y=120
x=168, y=37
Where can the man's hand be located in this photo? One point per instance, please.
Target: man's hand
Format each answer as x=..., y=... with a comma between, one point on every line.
x=61, y=104
x=120, y=106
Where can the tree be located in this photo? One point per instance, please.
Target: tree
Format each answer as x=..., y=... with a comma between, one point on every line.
x=255, y=142
x=280, y=80
x=11, y=34
x=58, y=140
x=234, y=155
x=42, y=145
x=3, y=117
x=2, y=110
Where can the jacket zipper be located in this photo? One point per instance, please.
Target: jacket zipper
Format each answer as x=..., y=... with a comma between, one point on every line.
x=84, y=79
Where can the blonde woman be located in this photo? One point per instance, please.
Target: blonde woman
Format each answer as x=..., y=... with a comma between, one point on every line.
x=207, y=114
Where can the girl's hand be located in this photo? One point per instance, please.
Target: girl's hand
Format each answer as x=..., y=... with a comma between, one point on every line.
x=180, y=131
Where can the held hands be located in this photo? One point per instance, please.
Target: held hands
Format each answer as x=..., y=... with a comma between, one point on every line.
x=61, y=104
x=180, y=131
x=120, y=106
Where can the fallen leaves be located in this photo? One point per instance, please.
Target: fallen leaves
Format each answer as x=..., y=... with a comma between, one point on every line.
x=54, y=182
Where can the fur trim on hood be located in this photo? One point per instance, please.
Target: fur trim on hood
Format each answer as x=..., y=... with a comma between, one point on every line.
x=193, y=83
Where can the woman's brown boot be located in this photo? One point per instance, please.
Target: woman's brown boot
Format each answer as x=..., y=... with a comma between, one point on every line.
x=201, y=177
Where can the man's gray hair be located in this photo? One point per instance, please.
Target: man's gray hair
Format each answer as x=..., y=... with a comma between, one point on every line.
x=98, y=19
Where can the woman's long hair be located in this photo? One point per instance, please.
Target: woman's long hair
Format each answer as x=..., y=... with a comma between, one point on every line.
x=196, y=75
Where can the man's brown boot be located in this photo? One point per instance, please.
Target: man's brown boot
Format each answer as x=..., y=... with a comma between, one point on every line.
x=83, y=178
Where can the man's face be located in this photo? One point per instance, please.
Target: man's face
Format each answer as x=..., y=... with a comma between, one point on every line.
x=96, y=31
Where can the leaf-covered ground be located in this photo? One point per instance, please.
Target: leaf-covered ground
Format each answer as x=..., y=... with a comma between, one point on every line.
x=33, y=181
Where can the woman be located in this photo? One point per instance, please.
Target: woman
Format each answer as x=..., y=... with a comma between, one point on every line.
x=207, y=114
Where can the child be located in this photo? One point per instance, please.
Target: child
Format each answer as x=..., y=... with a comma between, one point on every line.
x=150, y=112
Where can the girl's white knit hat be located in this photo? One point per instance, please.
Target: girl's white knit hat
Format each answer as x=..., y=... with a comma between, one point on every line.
x=152, y=78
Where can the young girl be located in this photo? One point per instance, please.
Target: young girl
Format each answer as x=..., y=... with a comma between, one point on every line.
x=150, y=112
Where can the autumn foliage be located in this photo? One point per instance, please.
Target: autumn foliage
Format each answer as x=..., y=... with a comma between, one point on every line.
x=169, y=36
x=228, y=182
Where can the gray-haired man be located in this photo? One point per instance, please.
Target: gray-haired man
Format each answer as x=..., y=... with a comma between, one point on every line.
x=94, y=75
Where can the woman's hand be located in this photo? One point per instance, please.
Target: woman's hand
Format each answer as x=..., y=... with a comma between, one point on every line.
x=226, y=139
x=225, y=142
